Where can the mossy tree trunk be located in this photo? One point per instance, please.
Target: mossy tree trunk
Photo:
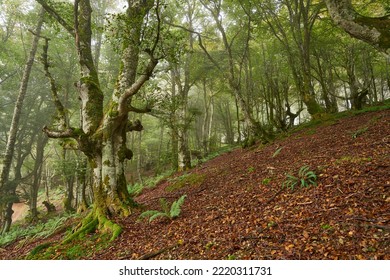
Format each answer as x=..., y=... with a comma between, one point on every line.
x=103, y=132
x=372, y=30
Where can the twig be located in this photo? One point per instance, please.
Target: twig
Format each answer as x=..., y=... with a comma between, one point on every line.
x=274, y=196
x=305, y=203
x=156, y=253
x=379, y=227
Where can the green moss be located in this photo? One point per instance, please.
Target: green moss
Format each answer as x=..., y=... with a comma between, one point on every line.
x=193, y=180
x=352, y=159
x=38, y=249
x=74, y=252
x=124, y=153
x=89, y=82
x=106, y=180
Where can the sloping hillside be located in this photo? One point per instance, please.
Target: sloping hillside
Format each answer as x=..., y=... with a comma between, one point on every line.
x=236, y=207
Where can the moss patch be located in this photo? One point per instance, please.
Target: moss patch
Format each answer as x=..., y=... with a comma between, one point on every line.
x=193, y=180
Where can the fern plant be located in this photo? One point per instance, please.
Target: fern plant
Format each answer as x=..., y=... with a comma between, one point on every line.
x=305, y=178
x=171, y=212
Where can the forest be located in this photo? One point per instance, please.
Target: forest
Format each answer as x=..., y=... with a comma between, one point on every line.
x=194, y=129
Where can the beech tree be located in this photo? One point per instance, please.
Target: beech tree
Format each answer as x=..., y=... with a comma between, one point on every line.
x=103, y=131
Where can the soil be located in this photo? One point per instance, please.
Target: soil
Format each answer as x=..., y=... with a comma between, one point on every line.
x=237, y=208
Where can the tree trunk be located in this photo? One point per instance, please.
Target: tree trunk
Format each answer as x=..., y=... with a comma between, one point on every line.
x=174, y=149
x=5, y=188
x=81, y=184
x=103, y=133
x=40, y=149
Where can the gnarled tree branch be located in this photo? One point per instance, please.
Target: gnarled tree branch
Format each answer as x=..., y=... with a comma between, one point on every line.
x=372, y=30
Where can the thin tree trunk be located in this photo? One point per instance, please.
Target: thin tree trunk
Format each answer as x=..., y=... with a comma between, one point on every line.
x=4, y=187
x=40, y=149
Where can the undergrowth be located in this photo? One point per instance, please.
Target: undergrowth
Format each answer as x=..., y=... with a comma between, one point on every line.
x=40, y=230
x=170, y=212
x=187, y=179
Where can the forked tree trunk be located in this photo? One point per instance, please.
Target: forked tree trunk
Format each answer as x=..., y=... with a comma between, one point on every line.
x=102, y=136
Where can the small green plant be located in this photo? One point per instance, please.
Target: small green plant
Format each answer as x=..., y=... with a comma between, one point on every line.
x=251, y=169
x=277, y=152
x=209, y=245
x=305, y=178
x=170, y=212
x=359, y=132
x=272, y=224
x=326, y=227
x=266, y=181
x=135, y=189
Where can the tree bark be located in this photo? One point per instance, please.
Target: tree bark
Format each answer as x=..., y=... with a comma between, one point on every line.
x=40, y=150
x=372, y=30
x=103, y=133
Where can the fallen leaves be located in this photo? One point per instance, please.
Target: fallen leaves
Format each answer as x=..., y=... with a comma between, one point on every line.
x=244, y=214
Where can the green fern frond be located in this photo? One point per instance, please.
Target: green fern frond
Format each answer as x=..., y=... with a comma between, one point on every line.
x=164, y=205
x=148, y=213
x=176, y=207
x=158, y=214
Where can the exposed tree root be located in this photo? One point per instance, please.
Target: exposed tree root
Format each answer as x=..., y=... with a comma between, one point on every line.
x=96, y=220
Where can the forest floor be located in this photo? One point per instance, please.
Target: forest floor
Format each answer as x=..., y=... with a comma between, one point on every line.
x=236, y=207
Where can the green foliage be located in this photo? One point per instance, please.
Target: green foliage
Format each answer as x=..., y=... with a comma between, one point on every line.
x=232, y=257
x=277, y=152
x=170, y=212
x=271, y=224
x=41, y=230
x=74, y=252
x=153, y=181
x=191, y=179
x=220, y=151
x=305, y=178
x=38, y=249
x=359, y=132
x=353, y=159
x=266, y=181
x=326, y=227
x=209, y=245
x=251, y=169
x=135, y=190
